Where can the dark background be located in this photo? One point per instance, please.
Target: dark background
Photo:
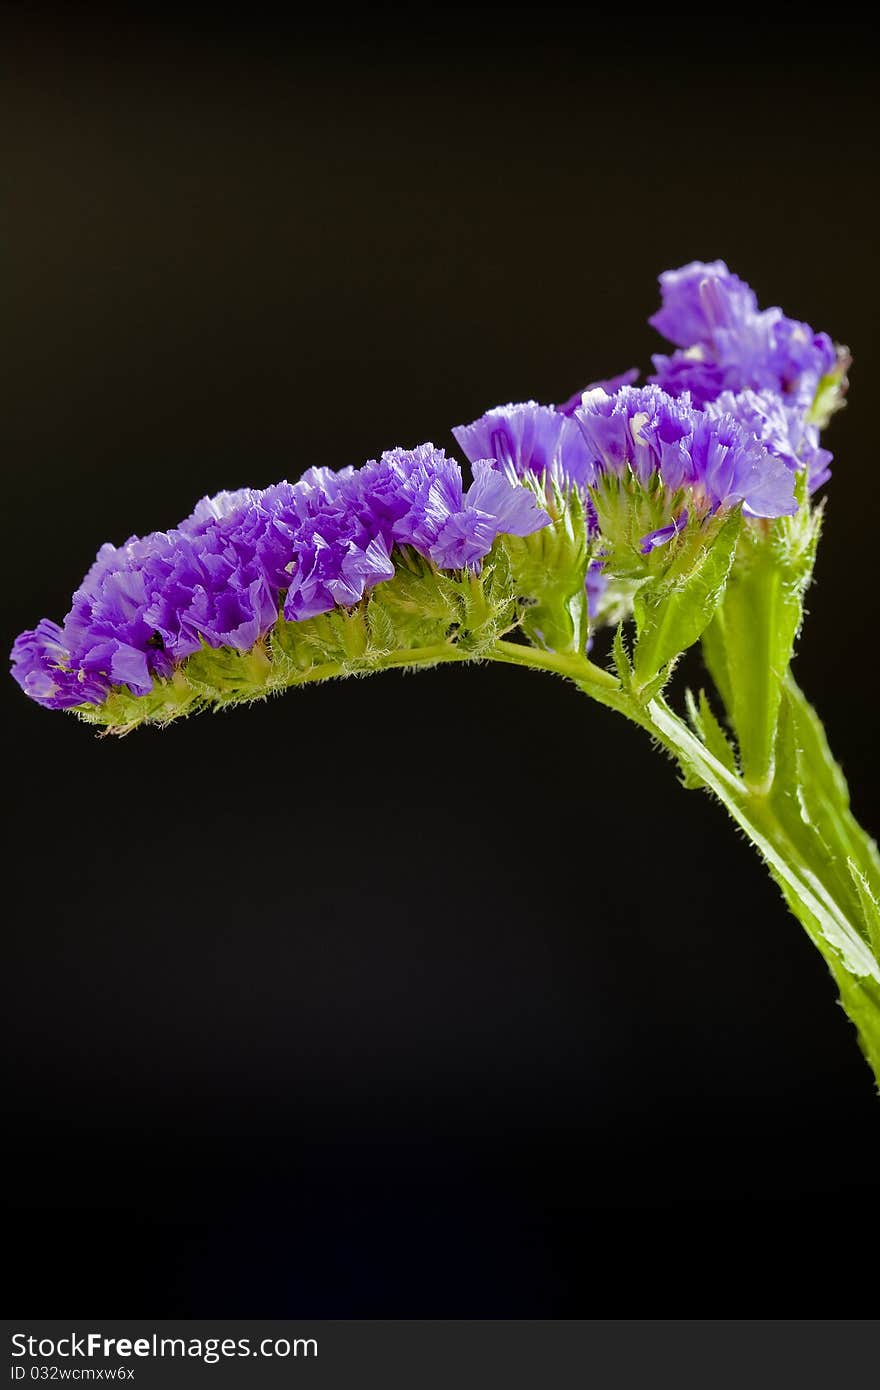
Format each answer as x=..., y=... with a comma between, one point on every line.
x=423, y=995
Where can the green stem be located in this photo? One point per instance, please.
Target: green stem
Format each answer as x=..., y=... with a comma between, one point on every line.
x=415, y=656
x=423, y=656
x=591, y=679
x=571, y=664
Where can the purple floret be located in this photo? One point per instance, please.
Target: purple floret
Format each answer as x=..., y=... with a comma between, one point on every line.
x=454, y=528
x=42, y=665
x=333, y=549
x=782, y=428
x=699, y=299
x=664, y=533
x=106, y=629
x=528, y=438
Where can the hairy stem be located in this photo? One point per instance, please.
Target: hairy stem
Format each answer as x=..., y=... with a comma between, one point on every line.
x=571, y=664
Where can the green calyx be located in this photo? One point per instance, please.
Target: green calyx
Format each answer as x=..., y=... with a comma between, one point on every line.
x=627, y=511
x=672, y=588
x=673, y=607
x=548, y=572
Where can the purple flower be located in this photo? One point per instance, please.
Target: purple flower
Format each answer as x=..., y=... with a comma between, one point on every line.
x=700, y=298
x=645, y=431
x=207, y=590
x=224, y=507
x=725, y=465
x=336, y=564
x=221, y=576
x=781, y=426
x=528, y=438
x=632, y=430
x=454, y=528
x=726, y=343
x=41, y=663
x=664, y=533
x=333, y=549
x=800, y=357
x=106, y=630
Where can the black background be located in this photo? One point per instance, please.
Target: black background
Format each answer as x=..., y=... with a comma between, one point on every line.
x=417, y=996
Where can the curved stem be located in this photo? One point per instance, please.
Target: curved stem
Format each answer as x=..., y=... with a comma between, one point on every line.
x=571, y=664
x=424, y=656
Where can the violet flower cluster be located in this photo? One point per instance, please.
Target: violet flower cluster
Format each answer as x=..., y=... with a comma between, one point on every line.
x=643, y=432
x=222, y=576
x=757, y=364
x=726, y=343
x=725, y=422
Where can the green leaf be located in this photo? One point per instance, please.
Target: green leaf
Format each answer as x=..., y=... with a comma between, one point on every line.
x=674, y=610
x=810, y=800
x=860, y=998
x=714, y=737
x=870, y=906
x=693, y=713
x=823, y=795
x=750, y=643
x=622, y=663
x=859, y=992
x=709, y=731
x=828, y=774
x=804, y=814
x=646, y=693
